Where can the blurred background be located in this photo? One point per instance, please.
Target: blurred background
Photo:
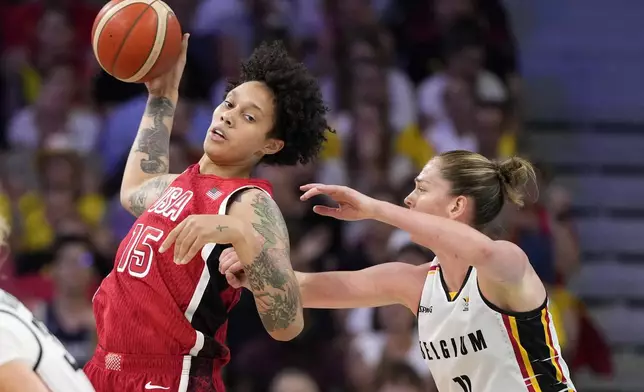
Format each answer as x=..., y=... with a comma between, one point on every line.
x=557, y=82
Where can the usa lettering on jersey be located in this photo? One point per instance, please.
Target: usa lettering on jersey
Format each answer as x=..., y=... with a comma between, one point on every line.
x=139, y=252
x=172, y=203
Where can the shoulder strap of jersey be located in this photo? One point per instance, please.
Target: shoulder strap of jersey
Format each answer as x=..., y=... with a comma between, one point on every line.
x=224, y=204
x=223, y=208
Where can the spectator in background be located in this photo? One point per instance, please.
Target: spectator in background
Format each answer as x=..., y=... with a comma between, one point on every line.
x=57, y=119
x=397, y=340
x=464, y=58
x=40, y=36
x=422, y=27
x=293, y=380
x=457, y=130
x=69, y=315
x=496, y=139
x=374, y=47
x=398, y=376
x=64, y=201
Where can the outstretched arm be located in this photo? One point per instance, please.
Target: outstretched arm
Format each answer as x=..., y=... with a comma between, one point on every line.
x=499, y=260
x=380, y=285
x=146, y=171
x=264, y=252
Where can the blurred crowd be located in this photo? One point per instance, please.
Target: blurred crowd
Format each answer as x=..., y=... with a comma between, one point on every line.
x=404, y=80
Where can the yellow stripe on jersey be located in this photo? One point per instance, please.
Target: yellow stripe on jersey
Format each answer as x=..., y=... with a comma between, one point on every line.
x=532, y=378
x=551, y=347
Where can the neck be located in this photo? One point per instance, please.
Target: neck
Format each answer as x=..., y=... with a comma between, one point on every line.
x=206, y=166
x=454, y=271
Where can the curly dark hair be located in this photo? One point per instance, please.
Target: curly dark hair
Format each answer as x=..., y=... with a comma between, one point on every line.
x=300, y=111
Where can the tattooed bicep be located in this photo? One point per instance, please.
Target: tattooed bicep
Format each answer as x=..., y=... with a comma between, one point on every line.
x=270, y=275
x=267, y=220
x=141, y=198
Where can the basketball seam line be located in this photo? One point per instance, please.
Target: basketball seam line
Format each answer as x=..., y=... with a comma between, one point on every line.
x=152, y=47
x=118, y=52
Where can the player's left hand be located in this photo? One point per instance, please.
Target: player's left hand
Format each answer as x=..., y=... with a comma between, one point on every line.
x=194, y=232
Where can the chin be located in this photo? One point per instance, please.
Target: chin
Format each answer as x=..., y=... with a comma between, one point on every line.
x=214, y=151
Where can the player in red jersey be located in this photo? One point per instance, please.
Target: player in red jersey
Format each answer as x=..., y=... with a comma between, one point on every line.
x=161, y=320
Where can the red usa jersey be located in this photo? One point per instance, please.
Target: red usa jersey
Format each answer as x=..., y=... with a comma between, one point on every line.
x=150, y=305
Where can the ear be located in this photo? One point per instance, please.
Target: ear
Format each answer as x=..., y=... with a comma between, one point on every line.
x=272, y=146
x=457, y=207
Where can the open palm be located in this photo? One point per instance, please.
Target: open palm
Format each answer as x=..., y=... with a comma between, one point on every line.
x=352, y=205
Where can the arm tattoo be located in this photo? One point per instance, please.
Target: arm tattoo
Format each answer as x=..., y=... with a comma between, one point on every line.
x=155, y=140
x=271, y=279
x=149, y=192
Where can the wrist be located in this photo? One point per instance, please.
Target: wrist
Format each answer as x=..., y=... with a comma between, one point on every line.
x=379, y=210
x=171, y=95
x=241, y=231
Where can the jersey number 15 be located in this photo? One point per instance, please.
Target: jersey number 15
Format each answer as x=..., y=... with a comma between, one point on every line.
x=137, y=256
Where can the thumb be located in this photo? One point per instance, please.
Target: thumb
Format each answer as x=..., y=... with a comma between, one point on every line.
x=232, y=280
x=184, y=42
x=327, y=211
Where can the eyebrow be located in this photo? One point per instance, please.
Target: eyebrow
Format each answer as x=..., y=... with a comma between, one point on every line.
x=251, y=104
x=419, y=180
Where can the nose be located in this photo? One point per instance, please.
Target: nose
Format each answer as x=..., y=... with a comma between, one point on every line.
x=408, y=201
x=227, y=118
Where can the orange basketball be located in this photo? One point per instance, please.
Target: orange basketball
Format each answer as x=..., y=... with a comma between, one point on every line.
x=136, y=40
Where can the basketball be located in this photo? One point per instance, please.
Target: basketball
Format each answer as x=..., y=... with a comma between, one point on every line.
x=136, y=40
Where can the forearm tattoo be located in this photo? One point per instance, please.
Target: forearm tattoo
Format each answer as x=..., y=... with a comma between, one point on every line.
x=155, y=140
x=270, y=276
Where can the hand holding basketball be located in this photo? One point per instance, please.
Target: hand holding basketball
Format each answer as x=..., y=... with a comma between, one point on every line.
x=352, y=205
x=168, y=83
x=137, y=40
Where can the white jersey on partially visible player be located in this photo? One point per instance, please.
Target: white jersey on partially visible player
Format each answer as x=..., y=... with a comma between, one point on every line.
x=24, y=338
x=471, y=345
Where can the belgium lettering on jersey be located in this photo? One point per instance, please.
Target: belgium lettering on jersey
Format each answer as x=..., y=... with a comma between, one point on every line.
x=171, y=203
x=453, y=347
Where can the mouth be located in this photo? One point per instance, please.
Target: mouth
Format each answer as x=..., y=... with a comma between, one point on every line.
x=217, y=134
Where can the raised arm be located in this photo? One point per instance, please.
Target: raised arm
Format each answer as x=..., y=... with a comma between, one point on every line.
x=265, y=254
x=146, y=172
x=380, y=285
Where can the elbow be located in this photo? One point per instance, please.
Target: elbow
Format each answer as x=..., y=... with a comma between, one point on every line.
x=124, y=197
x=486, y=251
x=291, y=332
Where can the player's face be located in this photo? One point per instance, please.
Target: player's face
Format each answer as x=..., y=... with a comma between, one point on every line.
x=238, y=134
x=432, y=192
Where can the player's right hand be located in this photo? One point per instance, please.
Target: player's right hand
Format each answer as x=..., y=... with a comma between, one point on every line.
x=232, y=268
x=168, y=83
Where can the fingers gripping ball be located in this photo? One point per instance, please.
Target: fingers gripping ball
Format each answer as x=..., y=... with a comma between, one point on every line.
x=136, y=40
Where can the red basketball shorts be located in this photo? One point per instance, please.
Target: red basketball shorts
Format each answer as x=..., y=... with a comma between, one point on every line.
x=111, y=372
